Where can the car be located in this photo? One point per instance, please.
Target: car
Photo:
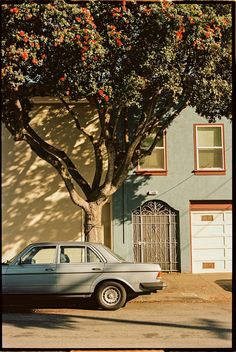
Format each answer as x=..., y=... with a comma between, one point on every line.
x=78, y=269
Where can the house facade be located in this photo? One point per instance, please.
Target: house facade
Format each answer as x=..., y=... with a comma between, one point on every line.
x=174, y=208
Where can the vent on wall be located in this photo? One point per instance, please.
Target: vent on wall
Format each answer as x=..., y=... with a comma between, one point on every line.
x=208, y=265
x=207, y=218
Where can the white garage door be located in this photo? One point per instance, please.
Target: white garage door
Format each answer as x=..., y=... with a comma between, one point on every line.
x=211, y=241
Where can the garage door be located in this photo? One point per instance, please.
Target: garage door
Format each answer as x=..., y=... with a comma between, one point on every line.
x=211, y=241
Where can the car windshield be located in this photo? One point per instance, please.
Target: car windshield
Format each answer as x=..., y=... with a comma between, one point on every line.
x=114, y=254
x=10, y=261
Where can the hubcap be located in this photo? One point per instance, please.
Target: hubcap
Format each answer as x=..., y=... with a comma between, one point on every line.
x=111, y=295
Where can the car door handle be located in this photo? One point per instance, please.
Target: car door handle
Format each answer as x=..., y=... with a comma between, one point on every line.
x=50, y=269
x=96, y=269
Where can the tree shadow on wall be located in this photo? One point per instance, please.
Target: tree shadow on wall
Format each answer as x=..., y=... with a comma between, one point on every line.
x=36, y=204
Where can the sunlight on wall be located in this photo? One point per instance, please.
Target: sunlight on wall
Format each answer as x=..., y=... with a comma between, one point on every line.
x=36, y=205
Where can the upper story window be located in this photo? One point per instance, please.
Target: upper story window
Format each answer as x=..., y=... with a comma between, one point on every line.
x=209, y=149
x=154, y=164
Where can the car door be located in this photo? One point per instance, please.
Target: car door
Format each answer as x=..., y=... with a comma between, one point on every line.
x=34, y=272
x=78, y=267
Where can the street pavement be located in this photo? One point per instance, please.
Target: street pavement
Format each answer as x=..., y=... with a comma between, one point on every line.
x=138, y=325
x=195, y=312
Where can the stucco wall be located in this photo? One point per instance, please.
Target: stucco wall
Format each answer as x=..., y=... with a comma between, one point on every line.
x=176, y=189
x=36, y=204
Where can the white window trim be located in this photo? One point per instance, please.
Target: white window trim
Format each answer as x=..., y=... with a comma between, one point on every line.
x=222, y=148
x=139, y=168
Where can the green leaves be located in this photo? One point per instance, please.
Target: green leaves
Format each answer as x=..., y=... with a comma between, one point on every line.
x=127, y=49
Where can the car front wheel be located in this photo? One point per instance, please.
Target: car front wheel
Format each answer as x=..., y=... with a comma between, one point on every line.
x=110, y=295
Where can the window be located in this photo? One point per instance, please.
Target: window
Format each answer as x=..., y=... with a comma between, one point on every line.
x=209, y=149
x=40, y=255
x=156, y=162
x=75, y=255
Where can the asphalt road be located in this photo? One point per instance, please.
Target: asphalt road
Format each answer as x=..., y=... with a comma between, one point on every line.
x=138, y=325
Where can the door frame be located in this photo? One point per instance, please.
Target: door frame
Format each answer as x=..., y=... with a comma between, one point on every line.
x=166, y=209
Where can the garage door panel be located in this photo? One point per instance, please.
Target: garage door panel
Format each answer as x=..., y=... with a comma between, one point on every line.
x=229, y=265
x=200, y=243
x=228, y=229
x=219, y=266
x=207, y=217
x=228, y=253
x=228, y=242
x=206, y=231
x=228, y=217
x=211, y=241
x=209, y=254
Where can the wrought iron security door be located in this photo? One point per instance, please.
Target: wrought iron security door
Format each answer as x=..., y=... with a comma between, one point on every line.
x=155, y=235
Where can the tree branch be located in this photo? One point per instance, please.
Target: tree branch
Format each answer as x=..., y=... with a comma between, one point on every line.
x=56, y=163
x=24, y=118
x=78, y=178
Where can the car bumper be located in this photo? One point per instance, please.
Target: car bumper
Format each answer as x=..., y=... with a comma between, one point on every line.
x=153, y=286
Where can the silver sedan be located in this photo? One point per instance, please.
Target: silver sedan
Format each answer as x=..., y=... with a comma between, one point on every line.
x=78, y=269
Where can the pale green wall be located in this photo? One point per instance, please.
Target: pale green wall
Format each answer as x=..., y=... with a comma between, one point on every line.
x=176, y=189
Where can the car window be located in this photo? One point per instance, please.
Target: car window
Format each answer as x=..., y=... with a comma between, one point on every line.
x=75, y=255
x=92, y=257
x=39, y=255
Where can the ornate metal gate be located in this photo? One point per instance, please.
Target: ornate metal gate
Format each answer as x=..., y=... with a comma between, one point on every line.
x=155, y=235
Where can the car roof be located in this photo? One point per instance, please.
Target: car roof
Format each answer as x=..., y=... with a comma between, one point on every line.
x=64, y=243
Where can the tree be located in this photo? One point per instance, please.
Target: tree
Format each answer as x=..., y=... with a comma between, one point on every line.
x=139, y=65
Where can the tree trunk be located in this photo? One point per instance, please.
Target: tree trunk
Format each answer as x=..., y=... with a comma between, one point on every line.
x=93, y=223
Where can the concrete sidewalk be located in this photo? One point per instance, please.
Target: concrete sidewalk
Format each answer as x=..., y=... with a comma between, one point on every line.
x=184, y=287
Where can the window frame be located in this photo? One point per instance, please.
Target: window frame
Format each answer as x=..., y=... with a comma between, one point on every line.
x=209, y=171
x=86, y=248
x=155, y=171
x=40, y=247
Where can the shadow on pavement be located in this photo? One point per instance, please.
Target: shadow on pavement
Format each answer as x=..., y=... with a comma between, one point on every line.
x=24, y=306
x=53, y=320
x=225, y=284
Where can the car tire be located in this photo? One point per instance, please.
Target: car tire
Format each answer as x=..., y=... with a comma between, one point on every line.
x=110, y=295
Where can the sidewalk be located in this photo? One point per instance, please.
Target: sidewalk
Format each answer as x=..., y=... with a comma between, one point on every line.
x=182, y=287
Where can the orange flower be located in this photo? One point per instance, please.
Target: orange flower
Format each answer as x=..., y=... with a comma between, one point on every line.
x=179, y=35
x=101, y=92
x=62, y=78
x=34, y=61
x=124, y=5
x=25, y=55
x=85, y=48
x=191, y=20
x=106, y=98
x=22, y=33
x=14, y=10
x=118, y=42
